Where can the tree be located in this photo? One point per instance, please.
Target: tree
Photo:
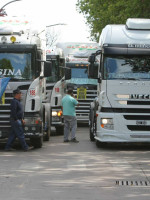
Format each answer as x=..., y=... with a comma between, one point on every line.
x=99, y=13
x=5, y=67
x=51, y=37
x=27, y=73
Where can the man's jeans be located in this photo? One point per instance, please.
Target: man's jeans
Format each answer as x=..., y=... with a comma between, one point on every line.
x=70, y=125
x=16, y=131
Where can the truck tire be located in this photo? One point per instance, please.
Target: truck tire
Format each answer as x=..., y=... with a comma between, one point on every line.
x=91, y=129
x=91, y=125
x=47, y=127
x=47, y=135
x=91, y=135
x=37, y=142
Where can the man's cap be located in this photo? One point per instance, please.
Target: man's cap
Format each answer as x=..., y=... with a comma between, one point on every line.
x=17, y=91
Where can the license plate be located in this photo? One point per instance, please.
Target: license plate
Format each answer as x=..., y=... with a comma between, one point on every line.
x=141, y=122
x=81, y=93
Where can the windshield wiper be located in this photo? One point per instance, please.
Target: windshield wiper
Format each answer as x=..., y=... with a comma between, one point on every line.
x=128, y=78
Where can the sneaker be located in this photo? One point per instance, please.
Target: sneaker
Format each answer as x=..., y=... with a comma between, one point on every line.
x=74, y=140
x=66, y=141
x=29, y=148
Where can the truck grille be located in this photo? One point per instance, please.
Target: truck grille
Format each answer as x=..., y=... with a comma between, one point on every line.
x=82, y=111
x=5, y=114
x=138, y=128
x=140, y=122
x=137, y=117
x=138, y=102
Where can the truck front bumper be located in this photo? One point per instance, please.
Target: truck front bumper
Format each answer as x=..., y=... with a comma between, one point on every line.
x=122, y=127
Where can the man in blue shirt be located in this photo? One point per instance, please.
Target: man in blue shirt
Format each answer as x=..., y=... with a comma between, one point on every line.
x=16, y=120
x=70, y=121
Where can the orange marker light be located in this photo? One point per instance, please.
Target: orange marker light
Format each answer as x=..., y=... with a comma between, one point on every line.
x=59, y=113
x=102, y=125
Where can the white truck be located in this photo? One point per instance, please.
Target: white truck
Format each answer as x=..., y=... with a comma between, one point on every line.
x=56, y=57
x=76, y=77
x=23, y=60
x=121, y=111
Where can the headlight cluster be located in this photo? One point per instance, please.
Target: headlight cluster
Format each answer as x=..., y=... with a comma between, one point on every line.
x=57, y=113
x=35, y=121
x=107, y=123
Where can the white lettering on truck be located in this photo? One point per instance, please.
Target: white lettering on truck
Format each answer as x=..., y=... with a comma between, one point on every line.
x=7, y=72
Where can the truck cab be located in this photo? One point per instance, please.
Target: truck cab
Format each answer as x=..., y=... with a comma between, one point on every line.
x=22, y=61
x=76, y=77
x=122, y=106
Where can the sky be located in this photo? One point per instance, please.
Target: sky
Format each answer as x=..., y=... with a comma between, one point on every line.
x=49, y=12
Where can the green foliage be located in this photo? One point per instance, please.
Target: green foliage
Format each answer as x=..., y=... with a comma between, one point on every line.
x=99, y=13
x=27, y=70
x=5, y=64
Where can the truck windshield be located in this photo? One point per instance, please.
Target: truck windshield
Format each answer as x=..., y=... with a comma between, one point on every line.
x=16, y=65
x=127, y=67
x=79, y=73
x=55, y=72
x=57, y=69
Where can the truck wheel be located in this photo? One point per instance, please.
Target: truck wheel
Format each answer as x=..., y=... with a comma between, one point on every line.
x=47, y=135
x=91, y=133
x=37, y=142
x=91, y=125
x=59, y=130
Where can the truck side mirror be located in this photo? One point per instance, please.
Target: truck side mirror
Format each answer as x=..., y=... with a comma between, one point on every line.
x=47, y=69
x=93, y=70
x=91, y=58
x=67, y=73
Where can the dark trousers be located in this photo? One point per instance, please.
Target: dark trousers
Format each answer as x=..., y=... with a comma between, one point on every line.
x=16, y=131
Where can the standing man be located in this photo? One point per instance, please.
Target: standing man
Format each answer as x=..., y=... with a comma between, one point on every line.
x=70, y=121
x=17, y=122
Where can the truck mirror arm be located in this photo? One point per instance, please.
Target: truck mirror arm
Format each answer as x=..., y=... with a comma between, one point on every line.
x=41, y=77
x=98, y=52
x=99, y=77
x=47, y=70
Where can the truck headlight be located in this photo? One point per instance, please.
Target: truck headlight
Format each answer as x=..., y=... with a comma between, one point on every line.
x=3, y=39
x=107, y=123
x=54, y=113
x=57, y=113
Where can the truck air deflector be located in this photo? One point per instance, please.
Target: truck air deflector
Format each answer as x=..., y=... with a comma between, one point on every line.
x=130, y=49
x=138, y=24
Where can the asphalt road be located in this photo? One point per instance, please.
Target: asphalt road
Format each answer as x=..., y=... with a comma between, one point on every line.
x=68, y=171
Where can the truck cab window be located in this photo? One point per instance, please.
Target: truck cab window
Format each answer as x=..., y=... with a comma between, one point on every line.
x=16, y=65
x=79, y=73
x=127, y=67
